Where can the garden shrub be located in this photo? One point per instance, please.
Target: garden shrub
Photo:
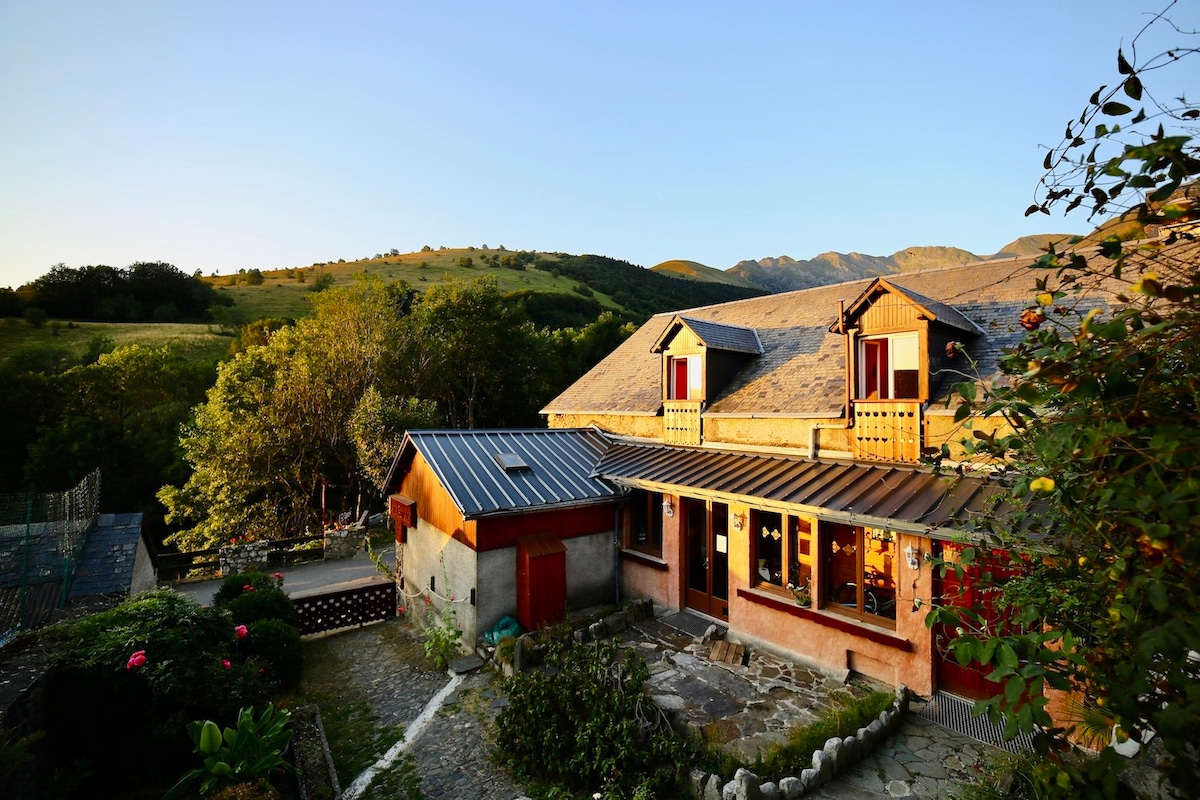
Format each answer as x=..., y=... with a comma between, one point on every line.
x=277, y=644
x=123, y=687
x=253, y=597
x=584, y=723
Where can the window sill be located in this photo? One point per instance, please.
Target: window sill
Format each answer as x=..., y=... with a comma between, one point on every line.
x=829, y=619
x=646, y=559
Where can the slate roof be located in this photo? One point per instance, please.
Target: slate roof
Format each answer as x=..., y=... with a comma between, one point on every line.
x=731, y=338
x=106, y=564
x=801, y=371
x=559, y=474
x=945, y=314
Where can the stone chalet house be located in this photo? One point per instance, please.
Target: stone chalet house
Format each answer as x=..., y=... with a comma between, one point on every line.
x=724, y=456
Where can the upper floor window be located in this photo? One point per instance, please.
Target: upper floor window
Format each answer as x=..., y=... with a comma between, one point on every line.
x=889, y=367
x=684, y=378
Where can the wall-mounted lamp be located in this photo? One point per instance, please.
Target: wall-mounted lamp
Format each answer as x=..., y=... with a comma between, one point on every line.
x=670, y=512
x=913, y=556
x=739, y=521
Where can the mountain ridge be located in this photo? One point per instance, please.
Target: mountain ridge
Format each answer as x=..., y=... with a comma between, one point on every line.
x=784, y=273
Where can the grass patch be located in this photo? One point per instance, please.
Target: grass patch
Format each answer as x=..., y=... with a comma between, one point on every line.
x=200, y=343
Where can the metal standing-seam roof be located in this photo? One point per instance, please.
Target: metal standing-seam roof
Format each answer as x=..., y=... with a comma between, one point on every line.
x=547, y=468
x=901, y=498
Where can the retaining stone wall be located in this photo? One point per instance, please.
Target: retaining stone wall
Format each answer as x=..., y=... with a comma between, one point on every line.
x=837, y=757
x=244, y=557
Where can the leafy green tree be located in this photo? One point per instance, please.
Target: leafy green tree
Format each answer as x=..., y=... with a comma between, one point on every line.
x=474, y=353
x=122, y=414
x=378, y=425
x=1105, y=448
x=271, y=446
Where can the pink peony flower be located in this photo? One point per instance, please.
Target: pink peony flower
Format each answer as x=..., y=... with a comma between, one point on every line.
x=277, y=576
x=225, y=663
x=247, y=588
x=136, y=660
x=241, y=632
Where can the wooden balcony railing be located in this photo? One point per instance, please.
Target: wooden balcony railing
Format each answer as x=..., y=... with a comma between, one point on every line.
x=887, y=430
x=681, y=422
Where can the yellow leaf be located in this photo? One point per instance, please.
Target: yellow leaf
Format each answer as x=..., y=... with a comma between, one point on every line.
x=1042, y=484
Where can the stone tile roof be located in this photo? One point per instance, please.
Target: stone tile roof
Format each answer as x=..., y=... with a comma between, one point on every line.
x=802, y=369
x=731, y=338
x=106, y=564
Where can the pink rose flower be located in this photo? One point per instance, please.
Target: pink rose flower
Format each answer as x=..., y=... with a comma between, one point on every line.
x=136, y=660
x=225, y=663
x=241, y=632
x=247, y=588
x=277, y=576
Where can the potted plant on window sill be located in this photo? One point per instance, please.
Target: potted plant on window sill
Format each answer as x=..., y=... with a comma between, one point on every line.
x=802, y=593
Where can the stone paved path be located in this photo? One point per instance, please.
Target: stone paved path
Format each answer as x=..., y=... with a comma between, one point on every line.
x=453, y=754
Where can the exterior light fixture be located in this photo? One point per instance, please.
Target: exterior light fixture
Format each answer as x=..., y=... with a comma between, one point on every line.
x=913, y=556
x=739, y=521
x=670, y=512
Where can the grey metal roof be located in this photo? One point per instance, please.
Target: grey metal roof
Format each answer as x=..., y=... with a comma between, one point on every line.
x=903, y=498
x=106, y=564
x=560, y=463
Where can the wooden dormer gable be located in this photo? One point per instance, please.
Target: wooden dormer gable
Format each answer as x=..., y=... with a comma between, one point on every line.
x=897, y=341
x=700, y=356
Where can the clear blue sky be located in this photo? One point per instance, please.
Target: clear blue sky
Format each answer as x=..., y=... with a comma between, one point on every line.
x=224, y=135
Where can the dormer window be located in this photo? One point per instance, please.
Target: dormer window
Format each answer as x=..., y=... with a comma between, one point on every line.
x=685, y=378
x=699, y=358
x=890, y=367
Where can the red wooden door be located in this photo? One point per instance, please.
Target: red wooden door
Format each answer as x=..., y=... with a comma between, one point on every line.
x=967, y=591
x=541, y=580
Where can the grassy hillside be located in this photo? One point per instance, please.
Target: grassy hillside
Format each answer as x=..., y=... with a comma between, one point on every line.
x=679, y=268
x=285, y=292
x=201, y=342
x=629, y=290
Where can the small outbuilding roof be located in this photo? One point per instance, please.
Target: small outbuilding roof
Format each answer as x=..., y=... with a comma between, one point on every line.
x=106, y=564
x=489, y=472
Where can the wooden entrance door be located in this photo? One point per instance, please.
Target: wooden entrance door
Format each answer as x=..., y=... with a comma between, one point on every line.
x=706, y=554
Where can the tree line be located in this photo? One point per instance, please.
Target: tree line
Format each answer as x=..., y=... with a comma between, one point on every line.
x=147, y=291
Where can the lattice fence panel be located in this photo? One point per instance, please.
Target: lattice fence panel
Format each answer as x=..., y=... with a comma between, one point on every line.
x=346, y=609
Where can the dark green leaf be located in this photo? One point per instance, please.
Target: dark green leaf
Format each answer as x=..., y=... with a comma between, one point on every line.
x=1115, y=109
x=1133, y=87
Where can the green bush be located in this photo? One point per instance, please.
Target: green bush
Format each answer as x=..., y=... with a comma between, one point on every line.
x=584, y=723
x=277, y=644
x=253, y=597
x=233, y=586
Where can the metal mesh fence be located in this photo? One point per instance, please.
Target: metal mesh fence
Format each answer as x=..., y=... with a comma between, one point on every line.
x=41, y=537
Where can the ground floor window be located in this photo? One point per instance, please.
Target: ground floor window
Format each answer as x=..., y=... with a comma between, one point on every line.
x=642, y=523
x=780, y=549
x=858, y=571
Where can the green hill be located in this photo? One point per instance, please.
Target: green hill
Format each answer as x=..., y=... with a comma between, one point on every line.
x=558, y=288
x=693, y=270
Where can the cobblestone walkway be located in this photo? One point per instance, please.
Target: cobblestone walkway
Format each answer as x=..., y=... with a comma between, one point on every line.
x=453, y=754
